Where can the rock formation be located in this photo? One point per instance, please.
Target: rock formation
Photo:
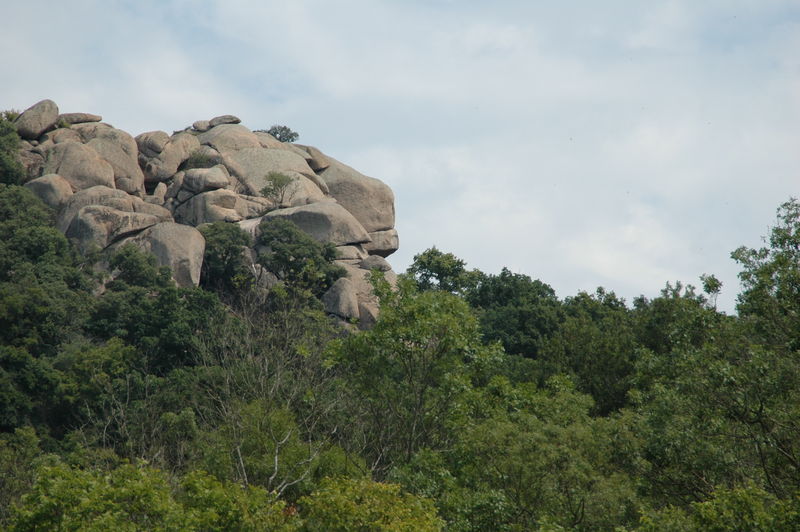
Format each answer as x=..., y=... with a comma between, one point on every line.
x=109, y=188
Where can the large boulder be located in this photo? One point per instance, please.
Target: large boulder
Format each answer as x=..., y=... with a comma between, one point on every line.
x=180, y=247
x=315, y=158
x=229, y=137
x=255, y=164
x=108, y=197
x=52, y=189
x=326, y=221
x=368, y=305
x=78, y=118
x=177, y=150
x=383, y=243
x=152, y=143
x=224, y=119
x=341, y=299
x=98, y=226
x=213, y=206
x=37, y=119
x=119, y=149
x=370, y=200
x=79, y=164
x=204, y=179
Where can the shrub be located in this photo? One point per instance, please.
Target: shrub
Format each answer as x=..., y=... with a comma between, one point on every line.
x=282, y=133
x=280, y=188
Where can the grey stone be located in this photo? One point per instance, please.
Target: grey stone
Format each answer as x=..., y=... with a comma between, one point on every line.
x=375, y=262
x=99, y=226
x=80, y=165
x=252, y=206
x=326, y=221
x=204, y=179
x=175, y=153
x=37, y=119
x=315, y=158
x=224, y=119
x=180, y=247
x=78, y=118
x=268, y=141
x=120, y=151
x=62, y=134
x=341, y=299
x=370, y=200
x=355, y=253
x=97, y=195
x=256, y=163
x=201, y=125
x=152, y=143
x=214, y=206
x=229, y=137
x=384, y=243
x=52, y=189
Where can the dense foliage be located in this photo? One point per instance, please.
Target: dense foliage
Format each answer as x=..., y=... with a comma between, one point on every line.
x=476, y=402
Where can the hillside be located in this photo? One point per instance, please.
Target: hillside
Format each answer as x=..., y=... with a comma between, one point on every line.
x=200, y=331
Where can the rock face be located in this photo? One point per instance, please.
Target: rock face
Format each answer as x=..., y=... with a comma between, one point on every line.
x=109, y=188
x=37, y=119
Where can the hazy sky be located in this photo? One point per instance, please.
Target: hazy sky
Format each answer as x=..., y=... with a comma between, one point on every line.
x=621, y=144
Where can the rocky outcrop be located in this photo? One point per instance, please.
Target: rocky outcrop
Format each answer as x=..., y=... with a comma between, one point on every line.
x=37, y=119
x=109, y=189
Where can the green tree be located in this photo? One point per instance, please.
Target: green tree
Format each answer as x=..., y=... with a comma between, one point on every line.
x=282, y=133
x=770, y=300
x=224, y=269
x=11, y=169
x=344, y=505
x=296, y=258
x=518, y=312
x=596, y=344
x=407, y=372
x=433, y=269
x=280, y=189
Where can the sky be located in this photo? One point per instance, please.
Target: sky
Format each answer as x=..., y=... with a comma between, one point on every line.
x=621, y=144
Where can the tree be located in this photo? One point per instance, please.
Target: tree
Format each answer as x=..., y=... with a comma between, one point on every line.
x=433, y=269
x=596, y=344
x=224, y=269
x=282, y=133
x=133, y=497
x=280, y=188
x=770, y=300
x=406, y=373
x=11, y=169
x=518, y=312
x=296, y=258
x=344, y=505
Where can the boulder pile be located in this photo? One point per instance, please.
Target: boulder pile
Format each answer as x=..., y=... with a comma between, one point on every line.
x=109, y=188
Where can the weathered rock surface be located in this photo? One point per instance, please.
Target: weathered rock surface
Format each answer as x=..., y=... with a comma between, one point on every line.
x=326, y=221
x=174, y=153
x=109, y=188
x=180, y=247
x=99, y=226
x=224, y=119
x=52, y=189
x=37, y=119
x=229, y=137
x=341, y=299
x=204, y=179
x=79, y=164
x=213, y=206
x=384, y=243
x=370, y=200
x=78, y=118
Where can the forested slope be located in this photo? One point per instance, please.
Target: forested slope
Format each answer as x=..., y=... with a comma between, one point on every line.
x=476, y=401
